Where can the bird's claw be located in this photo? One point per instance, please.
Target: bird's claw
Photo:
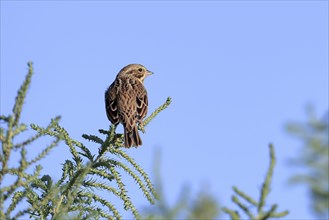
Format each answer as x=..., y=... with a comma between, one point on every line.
x=141, y=127
x=118, y=139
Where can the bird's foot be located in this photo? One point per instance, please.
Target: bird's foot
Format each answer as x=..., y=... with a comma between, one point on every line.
x=118, y=140
x=141, y=127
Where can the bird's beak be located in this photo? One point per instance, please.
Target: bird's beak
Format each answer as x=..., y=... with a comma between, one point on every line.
x=149, y=72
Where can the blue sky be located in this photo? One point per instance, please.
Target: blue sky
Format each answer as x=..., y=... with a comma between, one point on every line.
x=237, y=73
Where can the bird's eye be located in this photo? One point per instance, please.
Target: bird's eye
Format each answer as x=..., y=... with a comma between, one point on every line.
x=140, y=70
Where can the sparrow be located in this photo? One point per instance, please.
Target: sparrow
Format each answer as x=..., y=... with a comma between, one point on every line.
x=126, y=102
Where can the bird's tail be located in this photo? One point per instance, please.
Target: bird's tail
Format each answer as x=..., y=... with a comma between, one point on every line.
x=132, y=137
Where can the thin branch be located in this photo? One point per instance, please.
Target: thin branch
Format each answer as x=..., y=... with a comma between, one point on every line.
x=266, y=185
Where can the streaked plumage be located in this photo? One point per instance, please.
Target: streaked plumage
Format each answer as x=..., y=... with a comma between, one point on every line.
x=126, y=101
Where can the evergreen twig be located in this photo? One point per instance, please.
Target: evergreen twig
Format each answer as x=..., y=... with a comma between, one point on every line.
x=261, y=214
x=266, y=185
x=21, y=95
x=156, y=112
x=245, y=196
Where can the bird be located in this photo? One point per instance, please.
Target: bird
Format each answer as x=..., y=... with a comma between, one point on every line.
x=126, y=102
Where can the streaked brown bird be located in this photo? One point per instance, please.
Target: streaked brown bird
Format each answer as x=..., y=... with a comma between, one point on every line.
x=126, y=101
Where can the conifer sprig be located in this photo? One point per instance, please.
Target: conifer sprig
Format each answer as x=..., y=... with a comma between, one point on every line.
x=155, y=113
x=260, y=205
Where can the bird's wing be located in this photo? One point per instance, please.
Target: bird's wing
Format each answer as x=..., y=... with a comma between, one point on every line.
x=111, y=103
x=141, y=101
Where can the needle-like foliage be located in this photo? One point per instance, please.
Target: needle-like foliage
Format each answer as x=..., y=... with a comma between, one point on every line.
x=313, y=159
x=252, y=203
x=76, y=195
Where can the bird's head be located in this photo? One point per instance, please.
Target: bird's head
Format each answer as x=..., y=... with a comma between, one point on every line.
x=137, y=71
